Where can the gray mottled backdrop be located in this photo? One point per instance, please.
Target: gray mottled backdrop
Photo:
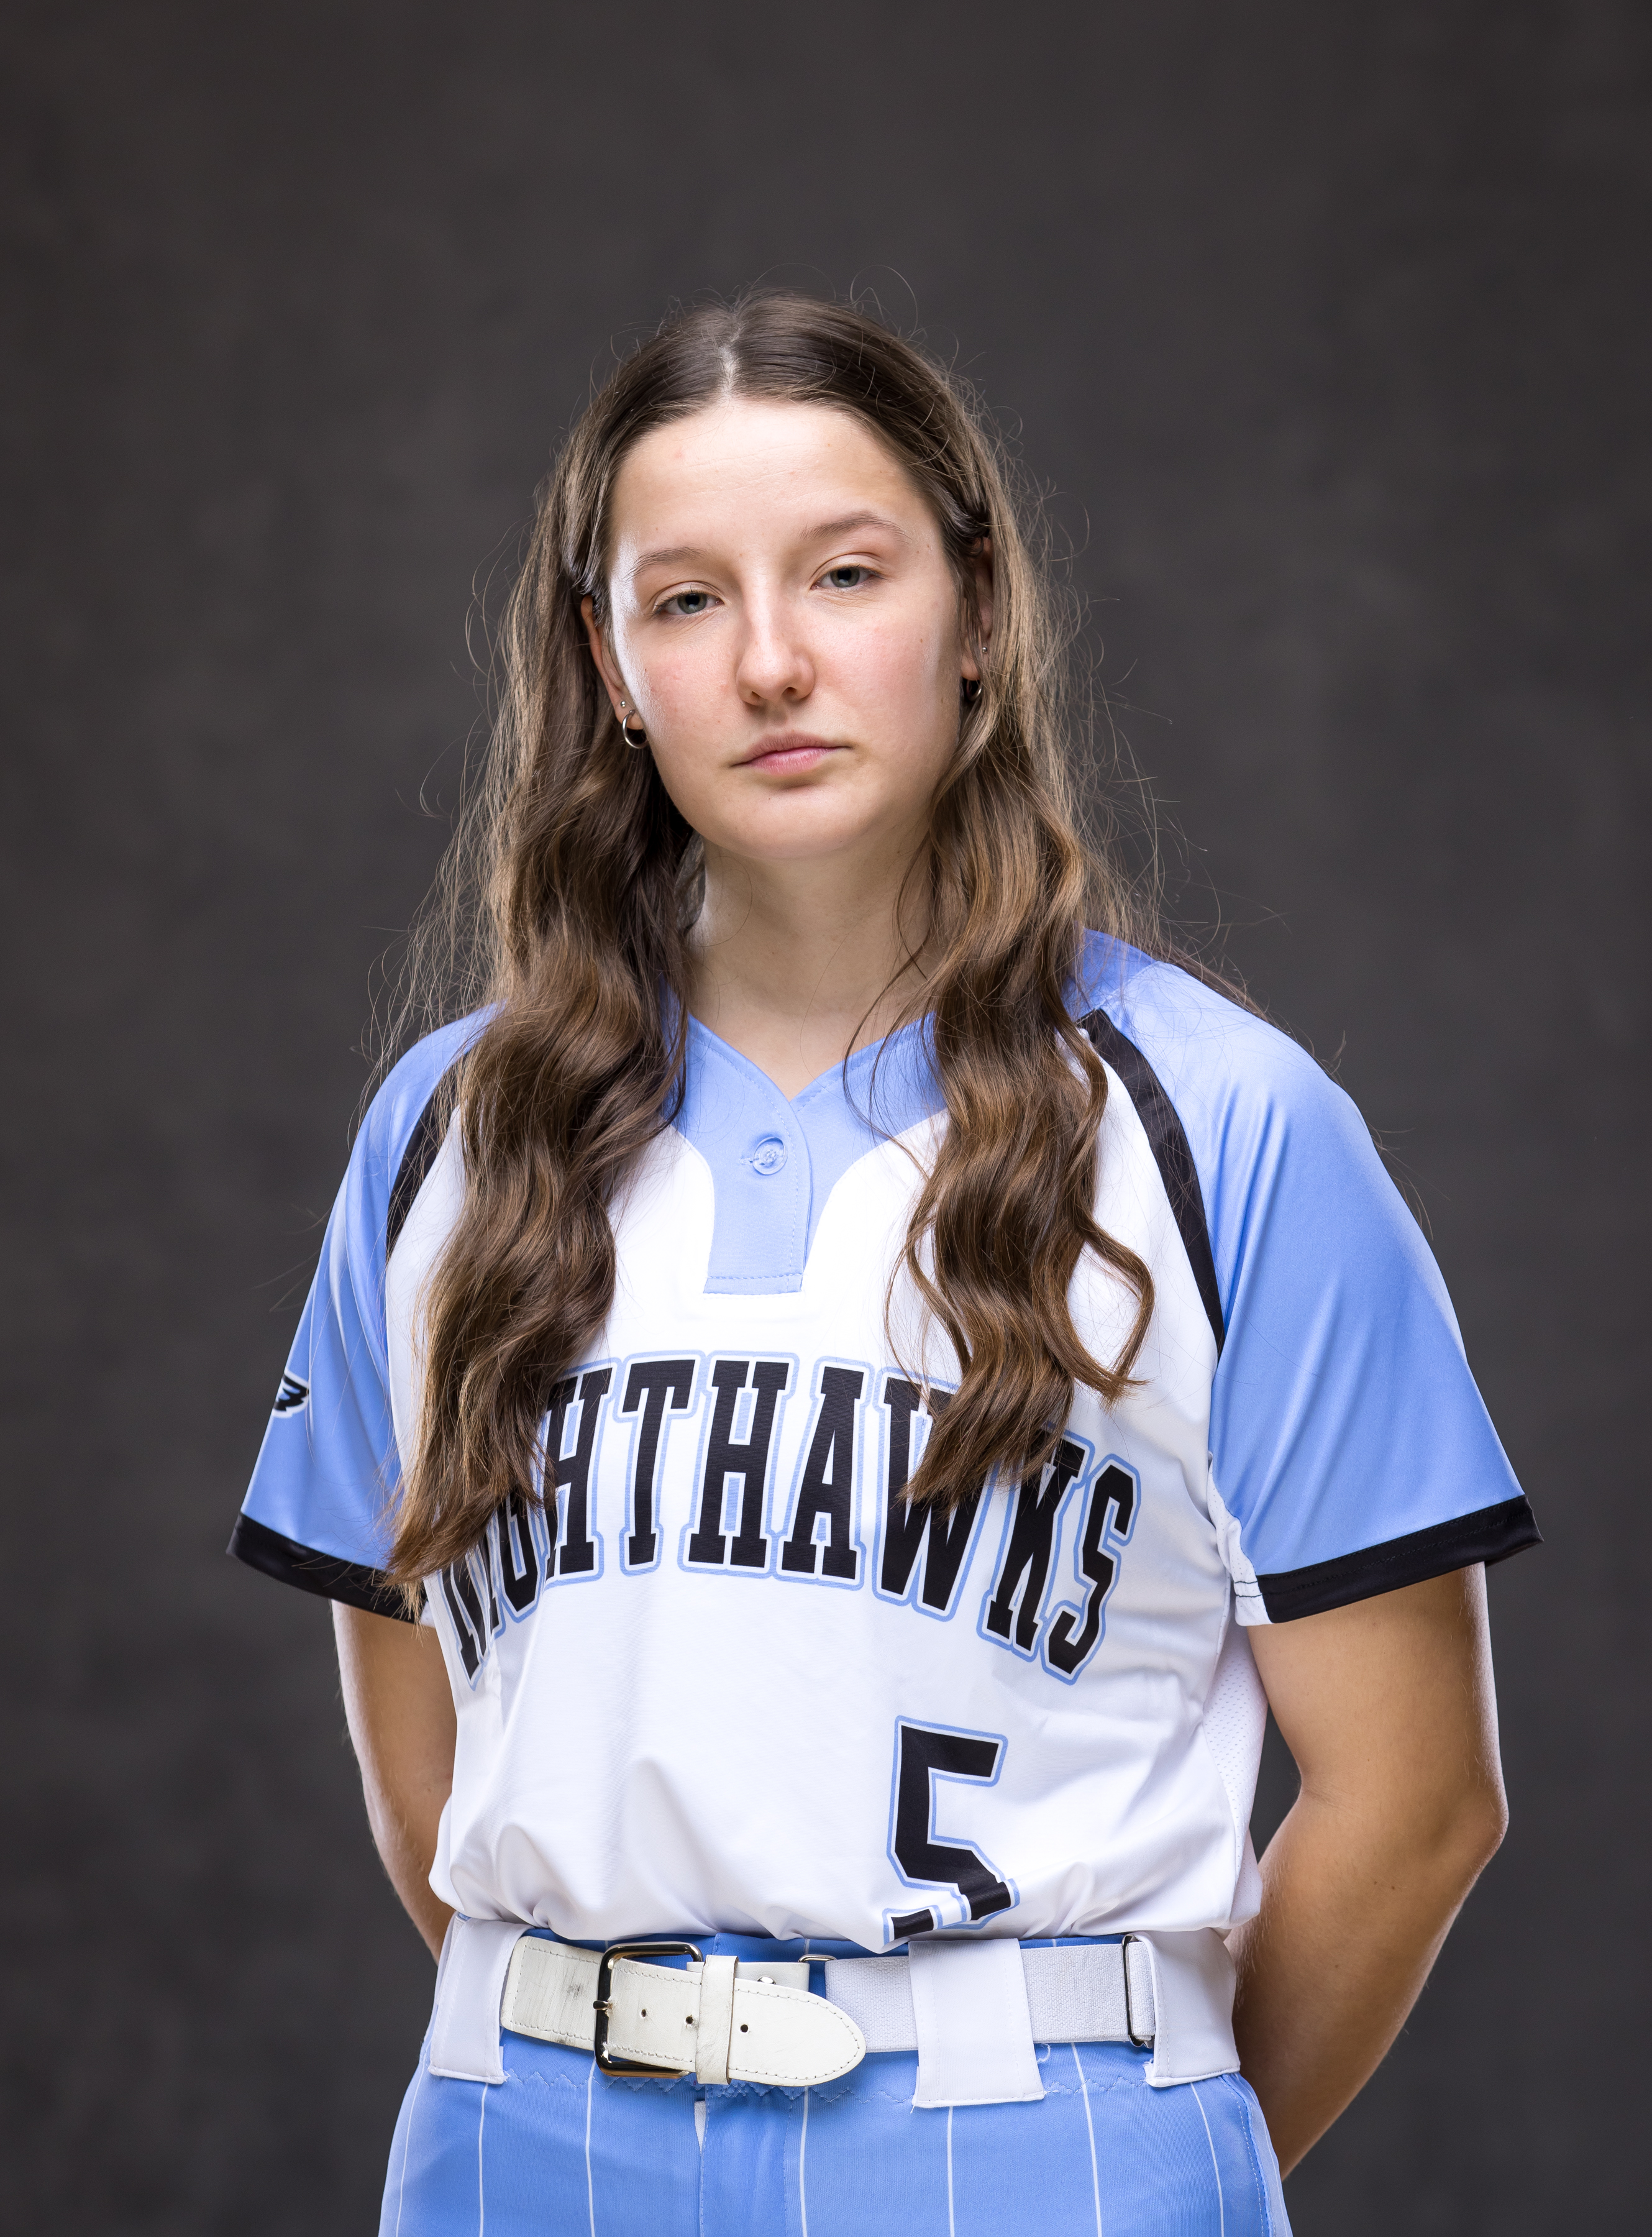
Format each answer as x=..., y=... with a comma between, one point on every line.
x=1326, y=326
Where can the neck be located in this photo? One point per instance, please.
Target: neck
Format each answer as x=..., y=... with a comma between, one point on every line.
x=798, y=964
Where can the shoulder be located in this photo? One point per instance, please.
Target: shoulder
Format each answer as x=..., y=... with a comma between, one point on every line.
x=1287, y=1171
x=1237, y=1082
x=400, y=1134
x=1199, y=1042
x=405, y=1094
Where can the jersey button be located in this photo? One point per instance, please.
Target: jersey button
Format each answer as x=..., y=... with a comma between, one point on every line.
x=769, y=1155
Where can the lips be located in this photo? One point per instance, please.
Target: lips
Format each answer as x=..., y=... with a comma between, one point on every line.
x=787, y=750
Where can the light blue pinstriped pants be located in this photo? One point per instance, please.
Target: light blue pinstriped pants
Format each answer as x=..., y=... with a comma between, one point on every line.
x=559, y=2150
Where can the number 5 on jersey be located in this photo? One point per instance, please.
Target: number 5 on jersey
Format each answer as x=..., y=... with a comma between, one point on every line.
x=926, y=1754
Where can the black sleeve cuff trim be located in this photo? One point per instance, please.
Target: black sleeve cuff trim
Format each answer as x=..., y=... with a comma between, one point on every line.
x=1490, y=1535
x=322, y=1573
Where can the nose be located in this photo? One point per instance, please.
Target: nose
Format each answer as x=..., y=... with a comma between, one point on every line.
x=775, y=667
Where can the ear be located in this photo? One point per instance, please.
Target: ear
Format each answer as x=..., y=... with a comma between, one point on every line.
x=613, y=681
x=978, y=606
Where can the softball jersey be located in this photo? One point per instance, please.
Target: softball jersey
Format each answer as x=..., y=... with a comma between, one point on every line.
x=721, y=1679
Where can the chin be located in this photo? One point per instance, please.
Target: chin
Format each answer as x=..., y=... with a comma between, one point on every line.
x=799, y=831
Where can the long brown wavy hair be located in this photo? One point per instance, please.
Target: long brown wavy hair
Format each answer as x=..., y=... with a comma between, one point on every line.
x=577, y=882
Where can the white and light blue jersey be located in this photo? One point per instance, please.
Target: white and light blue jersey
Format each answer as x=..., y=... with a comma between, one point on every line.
x=723, y=1678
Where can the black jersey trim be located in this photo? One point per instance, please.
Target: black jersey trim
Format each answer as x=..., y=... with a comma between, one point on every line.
x=1491, y=1534
x=1169, y=1141
x=422, y=1146
x=321, y=1573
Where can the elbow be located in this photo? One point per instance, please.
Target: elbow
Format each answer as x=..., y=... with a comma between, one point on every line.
x=1485, y=1804
x=1468, y=1830
x=1439, y=1839
x=1490, y=1823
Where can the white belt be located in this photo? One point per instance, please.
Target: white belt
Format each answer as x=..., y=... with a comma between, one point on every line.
x=972, y=2008
x=721, y=2019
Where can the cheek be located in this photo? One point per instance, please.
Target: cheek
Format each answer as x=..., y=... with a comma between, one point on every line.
x=689, y=710
x=902, y=683
x=897, y=660
x=680, y=687
x=879, y=669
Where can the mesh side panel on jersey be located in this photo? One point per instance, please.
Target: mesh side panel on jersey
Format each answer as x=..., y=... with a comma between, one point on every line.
x=1234, y=1718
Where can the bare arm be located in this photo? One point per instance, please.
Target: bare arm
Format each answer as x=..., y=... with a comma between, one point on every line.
x=400, y=1709
x=1389, y=1710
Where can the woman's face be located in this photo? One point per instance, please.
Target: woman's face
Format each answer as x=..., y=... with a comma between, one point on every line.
x=787, y=630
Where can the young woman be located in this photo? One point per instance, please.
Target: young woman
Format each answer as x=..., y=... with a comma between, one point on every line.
x=867, y=1378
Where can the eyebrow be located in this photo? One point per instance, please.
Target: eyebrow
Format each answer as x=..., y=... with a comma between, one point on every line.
x=824, y=528
x=676, y=555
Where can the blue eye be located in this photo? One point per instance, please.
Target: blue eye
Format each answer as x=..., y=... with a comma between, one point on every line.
x=687, y=603
x=848, y=577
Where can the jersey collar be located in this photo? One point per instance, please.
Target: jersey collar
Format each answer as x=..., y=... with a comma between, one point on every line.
x=775, y=1161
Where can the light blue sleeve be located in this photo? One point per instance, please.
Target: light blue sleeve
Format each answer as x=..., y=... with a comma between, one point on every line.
x=1349, y=1443
x=319, y=1510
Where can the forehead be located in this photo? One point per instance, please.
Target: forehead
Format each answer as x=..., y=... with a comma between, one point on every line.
x=754, y=465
